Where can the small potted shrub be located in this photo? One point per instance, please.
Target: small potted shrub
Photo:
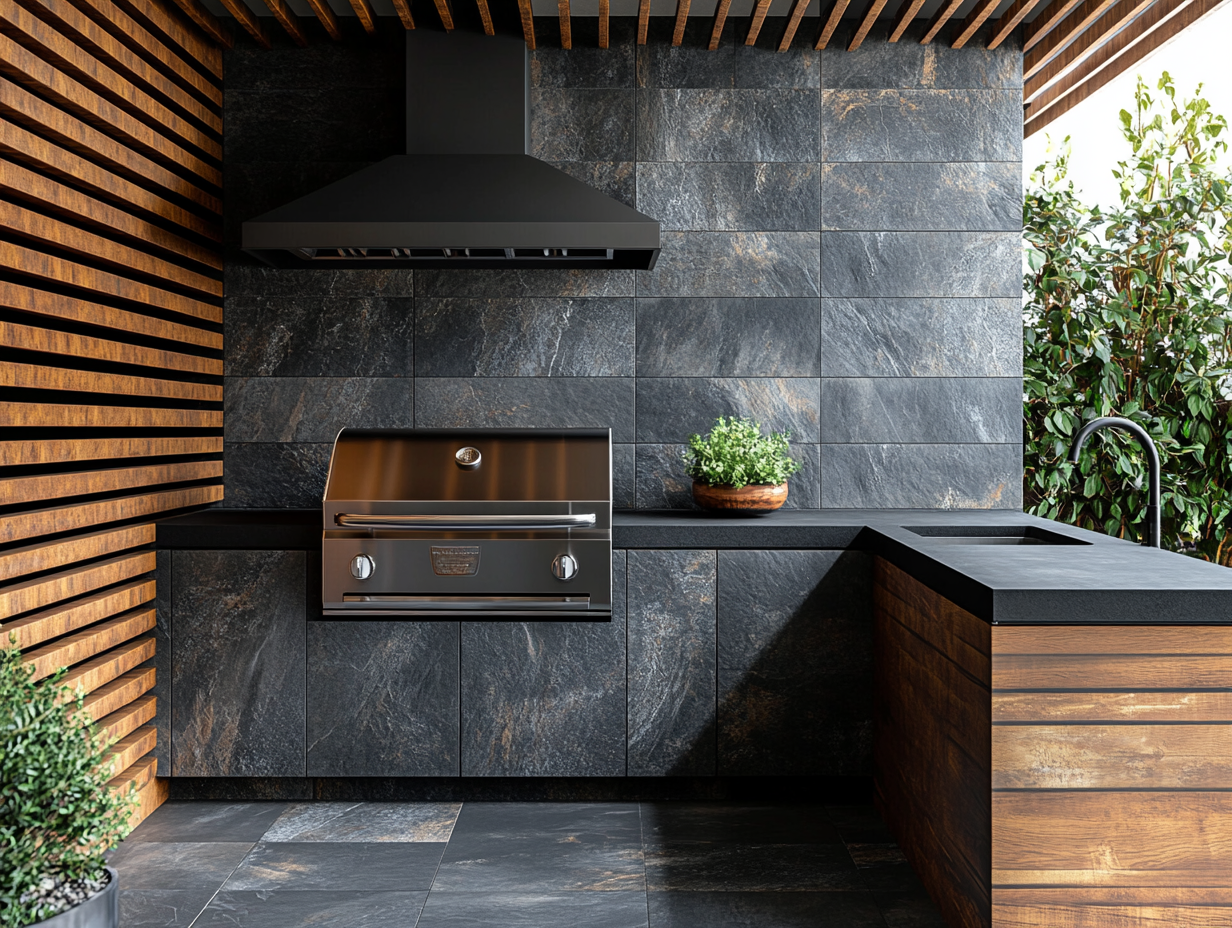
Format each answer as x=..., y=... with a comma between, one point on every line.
x=735, y=468
x=57, y=817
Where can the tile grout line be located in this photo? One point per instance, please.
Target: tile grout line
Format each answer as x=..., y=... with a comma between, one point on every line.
x=234, y=869
x=444, y=851
x=641, y=830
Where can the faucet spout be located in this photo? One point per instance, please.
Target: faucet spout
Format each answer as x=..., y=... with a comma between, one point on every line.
x=1153, y=525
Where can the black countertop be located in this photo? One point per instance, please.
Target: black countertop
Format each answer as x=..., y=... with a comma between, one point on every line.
x=1092, y=580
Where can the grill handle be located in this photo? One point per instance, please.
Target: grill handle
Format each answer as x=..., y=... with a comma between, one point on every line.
x=466, y=523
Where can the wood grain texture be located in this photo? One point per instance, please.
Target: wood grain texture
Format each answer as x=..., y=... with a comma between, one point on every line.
x=42, y=591
x=643, y=20
x=964, y=639
x=89, y=515
x=125, y=752
x=17, y=490
x=89, y=642
x=365, y=15
x=127, y=719
x=100, y=671
x=1111, y=672
x=1063, y=915
x=940, y=18
x=196, y=49
x=51, y=341
x=1111, y=639
x=288, y=20
x=326, y=16
x=33, y=559
x=51, y=415
x=1047, y=20
x=1010, y=19
x=758, y=19
x=136, y=776
x=1065, y=32
x=566, y=23
x=682, y=18
x=485, y=16
x=753, y=497
x=207, y=22
x=975, y=19
x=605, y=23
x=528, y=23
x=65, y=617
x=38, y=377
x=54, y=451
x=446, y=15
x=1086, y=45
x=153, y=794
x=119, y=692
x=716, y=32
x=905, y=17
x=793, y=23
x=870, y=17
x=249, y=20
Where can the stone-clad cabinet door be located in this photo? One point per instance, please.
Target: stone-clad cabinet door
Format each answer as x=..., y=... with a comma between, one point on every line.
x=672, y=669
x=238, y=664
x=382, y=699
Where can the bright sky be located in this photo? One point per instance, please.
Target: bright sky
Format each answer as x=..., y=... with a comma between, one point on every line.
x=1200, y=54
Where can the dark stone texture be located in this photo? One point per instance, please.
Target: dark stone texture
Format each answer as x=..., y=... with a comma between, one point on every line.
x=242, y=822
x=318, y=908
x=585, y=65
x=933, y=337
x=925, y=410
x=690, y=65
x=546, y=698
x=238, y=663
x=763, y=910
x=765, y=196
x=320, y=336
x=313, y=409
x=240, y=789
x=763, y=65
x=922, y=477
x=280, y=125
x=921, y=264
x=616, y=179
x=795, y=663
x=672, y=673
x=374, y=62
x=515, y=284
x=921, y=125
x=318, y=865
x=663, y=484
x=176, y=865
x=366, y=822
x=527, y=402
x=725, y=868
x=685, y=337
x=275, y=476
x=746, y=824
x=539, y=847
x=162, y=663
x=924, y=197
x=734, y=264
x=161, y=908
x=624, y=476
x=907, y=64
x=669, y=409
x=532, y=337
x=383, y=700
x=728, y=125
x=582, y=125
x=250, y=280
x=535, y=910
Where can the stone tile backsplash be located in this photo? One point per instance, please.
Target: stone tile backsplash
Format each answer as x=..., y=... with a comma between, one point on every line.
x=840, y=259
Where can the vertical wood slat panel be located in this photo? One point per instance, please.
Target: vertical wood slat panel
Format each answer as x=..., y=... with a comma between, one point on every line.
x=110, y=118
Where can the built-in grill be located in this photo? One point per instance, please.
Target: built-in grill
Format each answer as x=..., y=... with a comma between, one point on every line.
x=449, y=523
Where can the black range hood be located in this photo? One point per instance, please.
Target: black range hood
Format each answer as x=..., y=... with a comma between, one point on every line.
x=466, y=194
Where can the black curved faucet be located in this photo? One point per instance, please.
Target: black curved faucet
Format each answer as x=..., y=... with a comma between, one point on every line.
x=1153, y=529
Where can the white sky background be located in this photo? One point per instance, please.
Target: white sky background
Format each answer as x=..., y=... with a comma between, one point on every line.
x=1200, y=54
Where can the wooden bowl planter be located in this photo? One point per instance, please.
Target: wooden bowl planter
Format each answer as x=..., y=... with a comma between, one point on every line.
x=749, y=500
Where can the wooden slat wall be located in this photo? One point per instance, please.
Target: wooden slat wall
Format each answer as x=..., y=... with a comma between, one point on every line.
x=110, y=338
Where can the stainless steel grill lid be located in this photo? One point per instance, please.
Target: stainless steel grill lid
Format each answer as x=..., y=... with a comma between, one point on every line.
x=445, y=523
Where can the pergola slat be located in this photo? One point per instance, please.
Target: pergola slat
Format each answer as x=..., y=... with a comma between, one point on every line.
x=367, y=18
x=327, y=18
x=566, y=23
x=940, y=18
x=720, y=18
x=866, y=24
x=604, y=22
x=528, y=23
x=1046, y=22
x=759, y=17
x=643, y=21
x=682, y=16
x=1010, y=19
x=207, y=22
x=975, y=19
x=832, y=21
x=904, y=19
x=793, y=23
x=1087, y=44
x=1069, y=29
x=248, y=19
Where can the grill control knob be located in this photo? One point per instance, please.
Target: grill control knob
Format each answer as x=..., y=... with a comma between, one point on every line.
x=565, y=567
x=362, y=566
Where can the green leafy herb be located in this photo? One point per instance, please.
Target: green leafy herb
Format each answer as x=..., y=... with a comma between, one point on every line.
x=736, y=454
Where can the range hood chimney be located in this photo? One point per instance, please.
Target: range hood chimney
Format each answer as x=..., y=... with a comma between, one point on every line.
x=466, y=194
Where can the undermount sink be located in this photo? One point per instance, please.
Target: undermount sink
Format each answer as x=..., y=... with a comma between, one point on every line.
x=991, y=535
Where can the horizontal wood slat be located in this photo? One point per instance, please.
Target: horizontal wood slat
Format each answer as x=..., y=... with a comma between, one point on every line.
x=33, y=559
x=36, y=377
x=153, y=794
x=42, y=591
x=49, y=415
x=88, y=515
x=119, y=692
x=1112, y=896
x=55, y=451
x=125, y=752
x=136, y=776
x=124, y=721
x=1157, y=706
x=197, y=49
x=1086, y=45
x=964, y=639
x=1111, y=639
x=100, y=671
x=1111, y=916
x=89, y=642
x=1137, y=673
x=15, y=490
x=35, y=338
x=169, y=56
x=65, y=617
x=208, y=23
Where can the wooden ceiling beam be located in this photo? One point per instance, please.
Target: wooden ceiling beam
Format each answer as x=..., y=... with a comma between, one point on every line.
x=566, y=23
x=940, y=18
x=248, y=19
x=1048, y=20
x=207, y=22
x=643, y=21
x=682, y=16
x=363, y=11
x=329, y=20
x=288, y=20
x=866, y=24
x=832, y=21
x=485, y=16
x=975, y=19
x=1086, y=45
x=720, y=18
x=528, y=23
x=904, y=19
x=793, y=23
x=1010, y=19
x=604, y=23
x=1154, y=29
x=759, y=17
x=446, y=14
x=1066, y=31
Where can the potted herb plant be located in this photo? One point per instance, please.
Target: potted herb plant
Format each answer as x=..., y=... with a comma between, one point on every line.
x=736, y=468
x=57, y=816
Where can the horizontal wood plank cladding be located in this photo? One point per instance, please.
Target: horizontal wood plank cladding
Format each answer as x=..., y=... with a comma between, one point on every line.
x=24, y=108
x=1135, y=672
x=138, y=774
x=18, y=143
x=73, y=614
x=153, y=794
x=36, y=377
x=88, y=515
x=55, y=197
x=1111, y=639
x=196, y=47
x=91, y=36
x=1152, y=706
x=52, y=588
x=89, y=642
x=119, y=692
x=100, y=671
x=80, y=66
x=124, y=721
x=55, y=451
x=33, y=559
x=1110, y=916
x=34, y=338
x=51, y=415
x=1111, y=896
x=16, y=490
x=125, y=752
x=932, y=737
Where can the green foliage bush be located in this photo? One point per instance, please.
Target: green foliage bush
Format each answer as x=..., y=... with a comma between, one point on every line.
x=1127, y=313
x=736, y=454
x=57, y=818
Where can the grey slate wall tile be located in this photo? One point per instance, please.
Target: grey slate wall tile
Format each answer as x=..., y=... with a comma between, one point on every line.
x=925, y=410
x=921, y=264
x=163, y=580
x=670, y=409
x=877, y=64
x=930, y=197
x=313, y=409
x=690, y=65
x=921, y=337
x=922, y=477
x=763, y=66
x=765, y=196
x=283, y=475
x=280, y=125
x=531, y=337
x=727, y=125
x=586, y=65
x=672, y=669
x=582, y=125
x=616, y=179
x=734, y=264
x=624, y=476
x=780, y=714
x=663, y=484
x=523, y=283
x=246, y=279
x=688, y=337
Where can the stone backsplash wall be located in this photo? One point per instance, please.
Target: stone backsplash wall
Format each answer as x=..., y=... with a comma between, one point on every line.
x=840, y=259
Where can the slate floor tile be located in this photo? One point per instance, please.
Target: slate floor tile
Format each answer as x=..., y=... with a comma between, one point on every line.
x=394, y=866
x=698, y=867
x=183, y=866
x=161, y=908
x=764, y=910
x=746, y=824
x=208, y=821
x=884, y=868
x=315, y=908
x=535, y=910
x=366, y=821
x=909, y=910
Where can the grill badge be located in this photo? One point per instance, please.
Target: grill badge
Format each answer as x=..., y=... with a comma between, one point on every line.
x=455, y=561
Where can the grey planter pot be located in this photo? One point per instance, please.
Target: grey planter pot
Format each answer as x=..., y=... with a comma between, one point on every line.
x=99, y=911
